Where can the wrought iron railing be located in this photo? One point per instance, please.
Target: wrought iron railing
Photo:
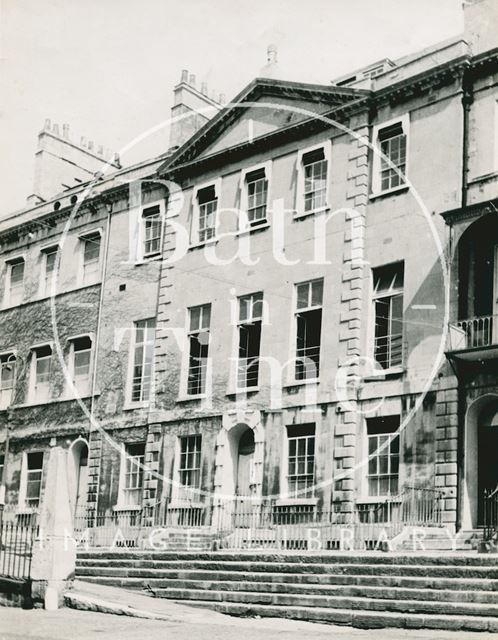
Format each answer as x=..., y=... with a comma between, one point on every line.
x=268, y=523
x=17, y=537
x=473, y=333
x=490, y=514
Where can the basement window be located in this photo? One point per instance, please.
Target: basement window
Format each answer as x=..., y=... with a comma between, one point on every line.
x=198, y=337
x=383, y=455
x=143, y=360
x=34, y=472
x=309, y=299
x=301, y=460
x=7, y=378
x=388, y=312
x=249, y=328
x=14, y=290
x=41, y=365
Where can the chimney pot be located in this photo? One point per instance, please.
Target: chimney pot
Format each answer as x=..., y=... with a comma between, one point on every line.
x=100, y=150
x=48, y=124
x=65, y=130
x=90, y=145
x=184, y=77
x=222, y=98
x=204, y=88
x=192, y=80
x=55, y=129
x=83, y=141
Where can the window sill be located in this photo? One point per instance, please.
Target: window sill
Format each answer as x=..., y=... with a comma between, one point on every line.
x=379, y=376
x=245, y=391
x=185, y=398
x=147, y=259
x=199, y=245
x=249, y=231
x=301, y=383
x=290, y=502
x=130, y=406
x=121, y=507
x=306, y=214
x=388, y=192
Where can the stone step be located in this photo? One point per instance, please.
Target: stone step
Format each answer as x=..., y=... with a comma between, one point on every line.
x=161, y=579
x=355, y=618
x=466, y=559
x=162, y=588
x=334, y=602
x=141, y=565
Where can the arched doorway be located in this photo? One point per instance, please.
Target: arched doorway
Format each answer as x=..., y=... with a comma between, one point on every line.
x=78, y=476
x=481, y=458
x=244, y=484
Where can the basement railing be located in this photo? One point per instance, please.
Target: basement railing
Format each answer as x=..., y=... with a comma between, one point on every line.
x=17, y=538
x=267, y=523
x=490, y=514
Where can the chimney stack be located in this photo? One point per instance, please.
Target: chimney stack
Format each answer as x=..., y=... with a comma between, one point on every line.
x=191, y=109
x=61, y=163
x=481, y=25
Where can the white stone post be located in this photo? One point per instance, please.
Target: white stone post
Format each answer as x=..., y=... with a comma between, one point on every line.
x=54, y=553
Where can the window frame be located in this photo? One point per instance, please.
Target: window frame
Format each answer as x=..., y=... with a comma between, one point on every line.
x=24, y=483
x=295, y=325
x=8, y=355
x=131, y=366
x=142, y=254
x=125, y=492
x=376, y=182
x=295, y=494
x=195, y=240
x=390, y=293
x=187, y=492
x=82, y=239
x=86, y=391
x=392, y=435
x=7, y=294
x=244, y=222
x=299, y=209
x=45, y=284
x=33, y=397
x=239, y=323
x=186, y=368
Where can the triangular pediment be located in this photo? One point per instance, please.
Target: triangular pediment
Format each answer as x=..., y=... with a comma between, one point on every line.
x=263, y=108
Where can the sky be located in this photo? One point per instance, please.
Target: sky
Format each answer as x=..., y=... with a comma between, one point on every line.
x=108, y=67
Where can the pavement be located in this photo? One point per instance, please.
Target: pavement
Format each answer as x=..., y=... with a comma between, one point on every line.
x=113, y=613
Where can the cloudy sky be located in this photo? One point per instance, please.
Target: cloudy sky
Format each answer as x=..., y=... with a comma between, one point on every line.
x=108, y=67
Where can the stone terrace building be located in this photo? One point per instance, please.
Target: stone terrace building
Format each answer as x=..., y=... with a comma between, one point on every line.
x=346, y=354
